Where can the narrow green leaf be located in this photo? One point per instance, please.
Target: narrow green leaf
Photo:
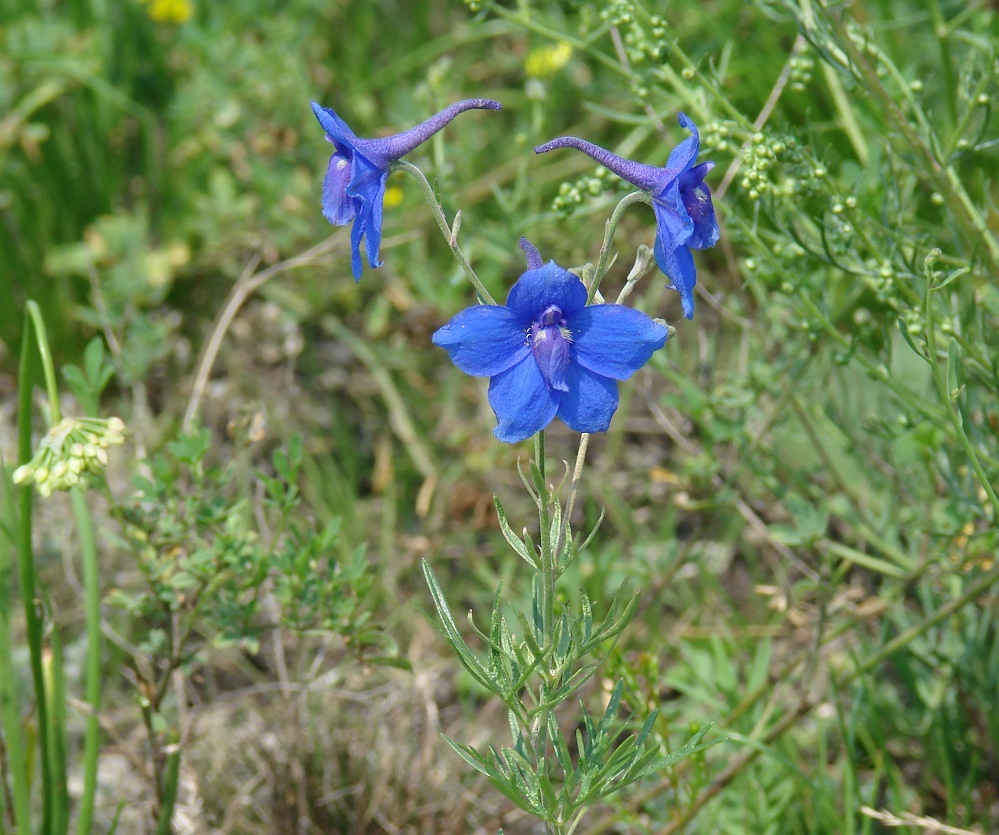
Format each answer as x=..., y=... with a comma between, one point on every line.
x=548, y=796
x=587, y=608
x=693, y=745
x=560, y=745
x=904, y=330
x=471, y=756
x=613, y=704
x=511, y=793
x=514, y=541
x=564, y=637
x=953, y=369
x=643, y=734
x=449, y=630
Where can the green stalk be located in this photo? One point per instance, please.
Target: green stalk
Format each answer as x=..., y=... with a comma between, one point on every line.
x=450, y=233
x=92, y=603
x=10, y=718
x=170, y=780
x=25, y=559
x=56, y=694
x=547, y=555
x=603, y=261
x=48, y=367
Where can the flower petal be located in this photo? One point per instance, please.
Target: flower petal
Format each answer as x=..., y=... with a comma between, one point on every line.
x=335, y=127
x=678, y=265
x=684, y=154
x=367, y=184
x=338, y=207
x=673, y=224
x=484, y=340
x=537, y=290
x=591, y=401
x=356, y=233
x=614, y=340
x=696, y=198
x=523, y=404
x=551, y=352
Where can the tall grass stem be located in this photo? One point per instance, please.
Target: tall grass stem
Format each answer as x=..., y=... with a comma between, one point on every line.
x=92, y=603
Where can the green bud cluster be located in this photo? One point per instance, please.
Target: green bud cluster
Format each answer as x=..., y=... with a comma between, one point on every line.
x=719, y=136
x=618, y=12
x=758, y=160
x=643, y=34
x=781, y=167
x=571, y=194
x=70, y=451
x=801, y=72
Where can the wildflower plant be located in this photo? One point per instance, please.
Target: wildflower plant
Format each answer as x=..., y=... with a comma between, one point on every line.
x=549, y=352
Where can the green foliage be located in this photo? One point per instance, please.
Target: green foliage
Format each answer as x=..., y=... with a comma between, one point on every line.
x=206, y=558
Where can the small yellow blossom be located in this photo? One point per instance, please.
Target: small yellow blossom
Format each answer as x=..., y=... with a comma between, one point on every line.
x=170, y=11
x=547, y=60
x=393, y=197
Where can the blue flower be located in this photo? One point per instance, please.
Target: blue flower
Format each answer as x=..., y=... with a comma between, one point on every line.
x=548, y=354
x=354, y=186
x=685, y=216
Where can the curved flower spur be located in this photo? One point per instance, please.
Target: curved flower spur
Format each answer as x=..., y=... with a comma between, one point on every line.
x=354, y=185
x=548, y=353
x=685, y=216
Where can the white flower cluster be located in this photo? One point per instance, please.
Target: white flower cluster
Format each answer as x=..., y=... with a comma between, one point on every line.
x=70, y=450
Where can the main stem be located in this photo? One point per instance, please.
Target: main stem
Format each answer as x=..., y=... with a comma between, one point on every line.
x=26, y=567
x=547, y=551
x=92, y=598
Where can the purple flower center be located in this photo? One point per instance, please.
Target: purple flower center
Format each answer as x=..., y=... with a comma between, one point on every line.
x=550, y=339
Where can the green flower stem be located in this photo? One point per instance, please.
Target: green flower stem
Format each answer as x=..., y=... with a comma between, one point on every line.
x=10, y=716
x=603, y=261
x=25, y=559
x=170, y=782
x=56, y=694
x=547, y=553
x=48, y=367
x=92, y=603
x=450, y=234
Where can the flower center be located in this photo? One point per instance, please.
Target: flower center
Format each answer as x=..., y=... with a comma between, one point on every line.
x=550, y=339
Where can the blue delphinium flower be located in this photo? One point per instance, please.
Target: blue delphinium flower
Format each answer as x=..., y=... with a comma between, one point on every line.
x=685, y=216
x=548, y=354
x=354, y=186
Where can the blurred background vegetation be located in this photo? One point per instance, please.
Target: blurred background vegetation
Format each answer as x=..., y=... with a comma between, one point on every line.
x=801, y=483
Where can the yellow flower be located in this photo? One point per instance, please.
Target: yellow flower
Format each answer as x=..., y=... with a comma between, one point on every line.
x=547, y=60
x=171, y=11
x=393, y=197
